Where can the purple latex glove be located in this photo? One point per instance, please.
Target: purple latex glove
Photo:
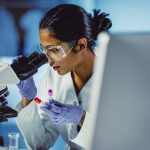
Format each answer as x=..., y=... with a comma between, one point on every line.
x=26, y=87
x=62, y=113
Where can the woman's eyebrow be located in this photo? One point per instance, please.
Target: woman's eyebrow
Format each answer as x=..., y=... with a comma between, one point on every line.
x=47, y=45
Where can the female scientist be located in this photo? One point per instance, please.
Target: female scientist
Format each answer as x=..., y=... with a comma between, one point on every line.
x=68, y=34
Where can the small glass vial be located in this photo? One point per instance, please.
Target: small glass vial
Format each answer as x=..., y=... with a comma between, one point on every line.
x=50, y=94
x=13, y=140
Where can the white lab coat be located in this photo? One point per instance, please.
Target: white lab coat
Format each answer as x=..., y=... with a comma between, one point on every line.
x=38, y=130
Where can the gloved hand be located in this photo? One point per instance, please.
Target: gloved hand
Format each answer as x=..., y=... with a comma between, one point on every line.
x=27, y=87
x=62, y=113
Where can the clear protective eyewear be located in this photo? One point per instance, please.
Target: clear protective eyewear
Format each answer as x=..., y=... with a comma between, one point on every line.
x=60, y=51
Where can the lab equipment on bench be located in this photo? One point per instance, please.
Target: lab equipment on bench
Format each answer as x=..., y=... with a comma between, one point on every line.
x=21, y=69
x=13, y=140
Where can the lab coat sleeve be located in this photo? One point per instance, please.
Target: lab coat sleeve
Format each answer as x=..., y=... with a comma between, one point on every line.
x=36, y=136
x=39, y=133
x=83, y=136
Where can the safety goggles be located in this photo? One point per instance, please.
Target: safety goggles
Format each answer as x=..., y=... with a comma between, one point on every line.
x=59, y=51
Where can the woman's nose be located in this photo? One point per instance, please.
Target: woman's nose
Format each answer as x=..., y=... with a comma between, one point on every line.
x=49, y=58
x=46, y=52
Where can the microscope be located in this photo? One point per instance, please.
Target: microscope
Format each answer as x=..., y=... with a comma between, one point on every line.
x=21, y=69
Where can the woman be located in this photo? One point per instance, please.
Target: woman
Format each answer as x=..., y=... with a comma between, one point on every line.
x=68, y=34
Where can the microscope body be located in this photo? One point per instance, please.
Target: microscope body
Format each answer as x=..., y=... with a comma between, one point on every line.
x=21, y=69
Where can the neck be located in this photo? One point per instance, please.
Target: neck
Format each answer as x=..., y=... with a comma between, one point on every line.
x=84, y=69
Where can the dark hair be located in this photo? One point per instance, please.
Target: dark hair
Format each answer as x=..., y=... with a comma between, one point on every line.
x=70, y=22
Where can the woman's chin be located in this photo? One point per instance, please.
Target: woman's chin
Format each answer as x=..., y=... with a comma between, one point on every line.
x=60, y=72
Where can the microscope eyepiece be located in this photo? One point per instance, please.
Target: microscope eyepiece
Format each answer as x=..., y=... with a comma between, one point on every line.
x=25, y=67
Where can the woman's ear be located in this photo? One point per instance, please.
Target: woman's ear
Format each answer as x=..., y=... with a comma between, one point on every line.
x=81, y=44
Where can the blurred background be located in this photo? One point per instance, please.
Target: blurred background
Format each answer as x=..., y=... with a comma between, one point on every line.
x=19, y=21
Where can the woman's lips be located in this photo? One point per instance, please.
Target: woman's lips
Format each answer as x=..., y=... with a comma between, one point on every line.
x=53, y=66
x=56, y=67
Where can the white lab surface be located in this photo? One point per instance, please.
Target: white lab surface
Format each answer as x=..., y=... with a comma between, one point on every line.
x=39, y=132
